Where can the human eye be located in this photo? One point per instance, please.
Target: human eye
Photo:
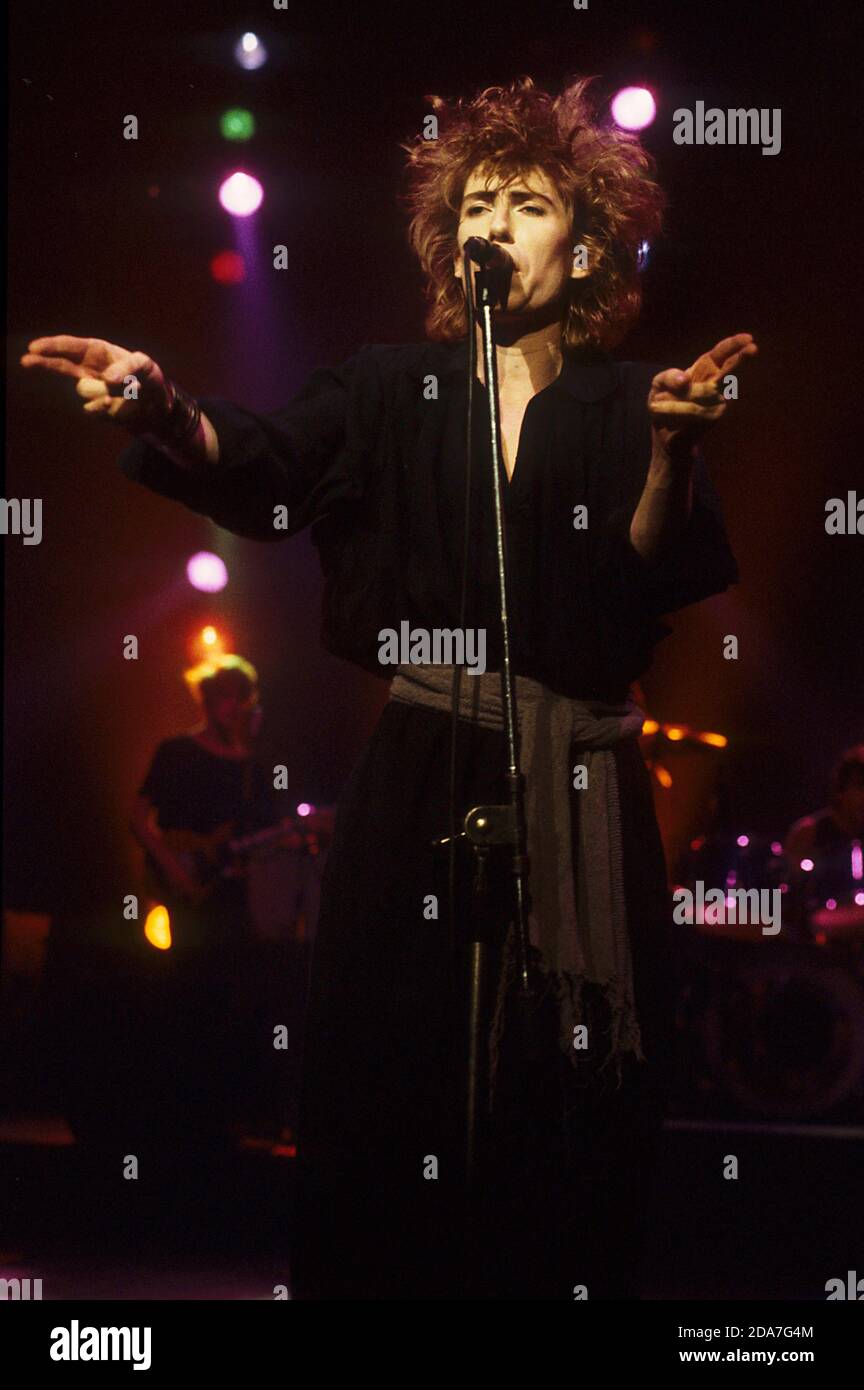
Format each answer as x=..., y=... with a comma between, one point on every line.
x=475, y=208
x=534, y=208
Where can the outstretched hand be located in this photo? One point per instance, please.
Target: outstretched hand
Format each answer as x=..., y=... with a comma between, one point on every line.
x=101, y=372
x=683, y=405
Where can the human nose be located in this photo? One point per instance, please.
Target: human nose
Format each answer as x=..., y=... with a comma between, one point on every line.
x=499, y=226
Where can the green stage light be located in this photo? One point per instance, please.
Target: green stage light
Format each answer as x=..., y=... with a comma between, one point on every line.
x=237, y=124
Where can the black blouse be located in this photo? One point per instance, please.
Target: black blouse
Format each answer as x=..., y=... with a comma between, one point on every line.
x=372, y=455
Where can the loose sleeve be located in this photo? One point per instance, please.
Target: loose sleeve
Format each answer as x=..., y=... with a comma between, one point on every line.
x=697, y=564
x=302, y=460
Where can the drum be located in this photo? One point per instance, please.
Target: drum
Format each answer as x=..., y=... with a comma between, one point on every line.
x=834, y=892
x=728, y=863
x=838, y=922
x=783, y=1031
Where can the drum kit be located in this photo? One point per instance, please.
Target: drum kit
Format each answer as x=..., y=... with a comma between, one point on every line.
x=778, y=1019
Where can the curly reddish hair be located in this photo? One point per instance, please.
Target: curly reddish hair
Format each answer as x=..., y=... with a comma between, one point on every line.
x=603, y=175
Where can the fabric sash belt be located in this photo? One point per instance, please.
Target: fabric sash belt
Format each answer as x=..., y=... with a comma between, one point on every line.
x=578, y=918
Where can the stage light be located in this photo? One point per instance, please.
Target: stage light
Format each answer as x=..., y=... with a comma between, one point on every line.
x=250, y=52
x=207, y=644
x=807, y=865
x=831, y=904
x=857, y=861
x=643, y=255
x=241, y=195
x=207, y=572
x=650, y=726
x=228, y=268
x=859, y=899
x=674, y=733
x=776, y=848
x=743, y=841
x=237, y=124
x=715, y=740
x=633, y=108
x=663, y=777
x=304, y=809
x=157, y=928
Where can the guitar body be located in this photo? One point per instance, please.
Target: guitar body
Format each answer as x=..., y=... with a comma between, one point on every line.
x=204, y=857
x=211, y=858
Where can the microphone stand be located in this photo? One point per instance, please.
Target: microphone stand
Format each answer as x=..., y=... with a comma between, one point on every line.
x=501, y=827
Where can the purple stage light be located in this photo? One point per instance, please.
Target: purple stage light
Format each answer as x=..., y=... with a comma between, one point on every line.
x=633, y=108
x=205, y=571
x=304, y=809
x=241, y=195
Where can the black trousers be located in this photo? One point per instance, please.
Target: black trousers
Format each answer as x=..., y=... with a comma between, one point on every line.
x=379, y=1212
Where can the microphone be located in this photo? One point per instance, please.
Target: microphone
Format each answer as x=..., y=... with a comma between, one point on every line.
x=488, y=255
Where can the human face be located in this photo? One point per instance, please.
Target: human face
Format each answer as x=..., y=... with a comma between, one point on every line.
x=527, y=217
x=228, y=710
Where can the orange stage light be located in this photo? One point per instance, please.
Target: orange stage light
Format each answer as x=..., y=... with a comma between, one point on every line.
x=157, y=928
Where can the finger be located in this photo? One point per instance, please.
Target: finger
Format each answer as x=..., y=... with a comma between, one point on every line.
x=136, y=364
x=705, y=392
x=727, y=346
x=102, y=407
x=721, y=358
x=63, y=345
x=89, y=388
x=52, y=364
x=700, y=392
x=749, y=351
x=672, y=379
x=687, y=408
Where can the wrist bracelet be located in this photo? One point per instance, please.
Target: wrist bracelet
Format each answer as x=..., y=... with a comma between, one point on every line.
x=184, y=415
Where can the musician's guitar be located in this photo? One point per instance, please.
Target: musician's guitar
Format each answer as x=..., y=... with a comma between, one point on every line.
x=210, y=859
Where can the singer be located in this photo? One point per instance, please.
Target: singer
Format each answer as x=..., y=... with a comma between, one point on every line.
x=372, y=454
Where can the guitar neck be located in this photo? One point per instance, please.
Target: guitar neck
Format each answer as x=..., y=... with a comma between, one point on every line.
x=260, y=837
